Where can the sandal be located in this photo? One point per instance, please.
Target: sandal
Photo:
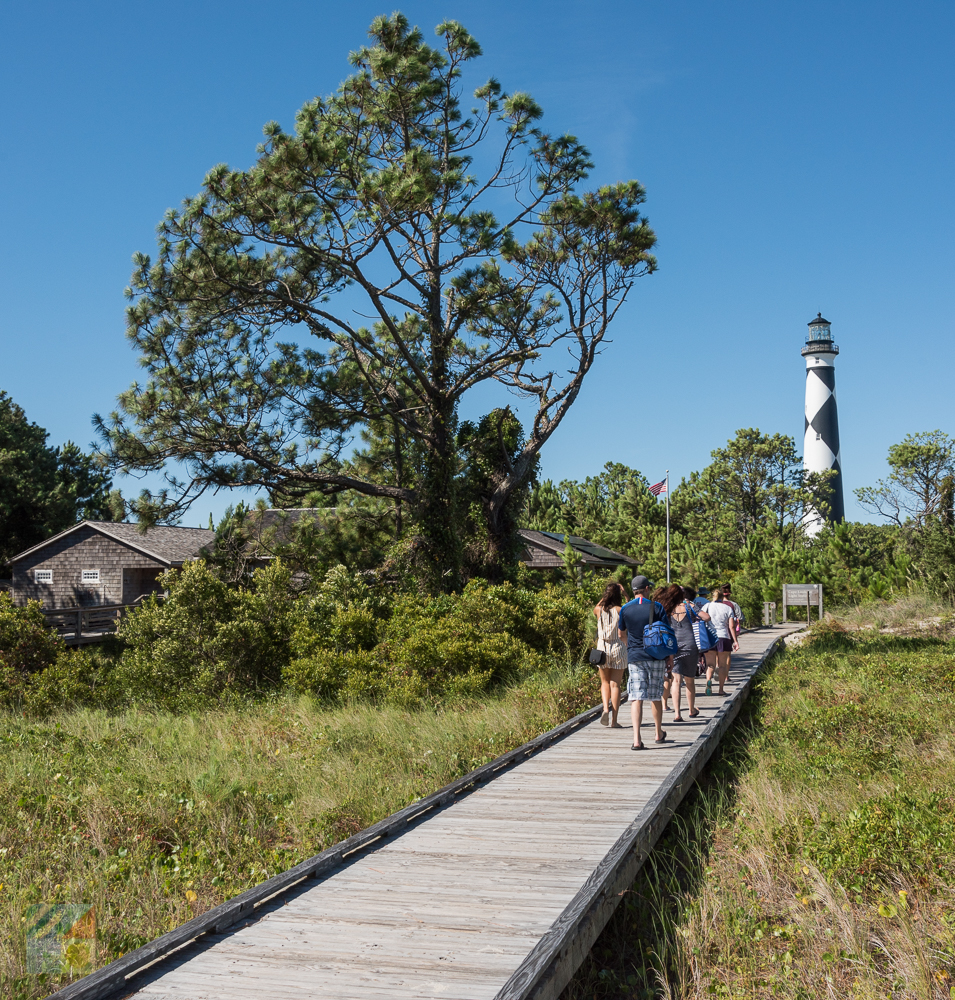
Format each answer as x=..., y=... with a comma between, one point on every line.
x=638, y=746
x=605, y=718
x=694, y=713
x=663, y=738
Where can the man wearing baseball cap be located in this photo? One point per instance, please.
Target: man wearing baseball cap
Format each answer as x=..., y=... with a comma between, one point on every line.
x=646, y=675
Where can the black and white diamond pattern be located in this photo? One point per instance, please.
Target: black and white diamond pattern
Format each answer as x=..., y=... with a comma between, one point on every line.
x=821, y=446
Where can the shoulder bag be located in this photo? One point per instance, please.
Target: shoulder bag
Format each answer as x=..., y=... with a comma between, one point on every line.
x=705, y=637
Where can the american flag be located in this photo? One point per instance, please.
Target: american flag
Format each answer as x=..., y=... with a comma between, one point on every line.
x=657, y=488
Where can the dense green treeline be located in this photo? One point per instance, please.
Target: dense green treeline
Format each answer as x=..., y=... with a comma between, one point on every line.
x=45, y=489
x=740, y=519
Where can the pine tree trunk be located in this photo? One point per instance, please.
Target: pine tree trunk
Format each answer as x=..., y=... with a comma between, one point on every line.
x=503, y=544
x=437, y=513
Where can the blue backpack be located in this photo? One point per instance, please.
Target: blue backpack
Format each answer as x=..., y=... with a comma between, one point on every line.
x=659, y=642
x=705, y=639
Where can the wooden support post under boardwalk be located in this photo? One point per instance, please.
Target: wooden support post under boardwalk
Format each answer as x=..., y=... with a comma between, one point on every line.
x=493, y=888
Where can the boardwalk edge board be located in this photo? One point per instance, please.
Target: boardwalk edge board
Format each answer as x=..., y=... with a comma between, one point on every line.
x=550, y=964
x=105, y=982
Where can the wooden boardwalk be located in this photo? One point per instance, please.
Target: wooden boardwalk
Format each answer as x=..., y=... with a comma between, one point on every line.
x=498, y=894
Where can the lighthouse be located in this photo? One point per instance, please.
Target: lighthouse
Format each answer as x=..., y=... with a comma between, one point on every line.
x=821, y=445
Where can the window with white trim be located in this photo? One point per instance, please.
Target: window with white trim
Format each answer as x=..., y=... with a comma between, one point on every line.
x=89, y=576
x=43, y=576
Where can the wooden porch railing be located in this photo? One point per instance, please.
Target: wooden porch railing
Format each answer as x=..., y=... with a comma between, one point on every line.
x=88, y=624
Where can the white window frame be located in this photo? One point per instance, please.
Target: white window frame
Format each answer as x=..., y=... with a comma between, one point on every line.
x=43, y=576
x=89, y=576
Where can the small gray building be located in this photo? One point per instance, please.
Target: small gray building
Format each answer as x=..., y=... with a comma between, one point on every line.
x=102, y=562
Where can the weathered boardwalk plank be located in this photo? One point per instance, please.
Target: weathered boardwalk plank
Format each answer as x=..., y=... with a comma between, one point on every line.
x=496, y=894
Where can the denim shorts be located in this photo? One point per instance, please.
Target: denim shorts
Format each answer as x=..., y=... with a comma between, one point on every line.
x=646, y=680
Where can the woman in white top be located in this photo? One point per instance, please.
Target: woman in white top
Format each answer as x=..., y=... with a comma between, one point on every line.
x=607, y=612
x=723, y=623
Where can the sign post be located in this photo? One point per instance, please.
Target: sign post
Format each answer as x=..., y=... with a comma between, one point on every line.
x=802, y=593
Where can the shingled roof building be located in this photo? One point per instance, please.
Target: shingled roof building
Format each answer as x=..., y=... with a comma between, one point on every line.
x=102, y=562
x=545, y=550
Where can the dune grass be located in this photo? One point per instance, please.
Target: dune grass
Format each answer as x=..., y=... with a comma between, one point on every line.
x=912, y=613
x=816, y=858
x=155, y=817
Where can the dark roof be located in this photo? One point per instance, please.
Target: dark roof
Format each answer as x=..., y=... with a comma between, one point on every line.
x=169, y=543
x=818, y=320
x=545, y=549
x=164, y=543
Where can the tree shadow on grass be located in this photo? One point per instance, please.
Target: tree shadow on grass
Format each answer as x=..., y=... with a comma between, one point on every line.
x=637, y=951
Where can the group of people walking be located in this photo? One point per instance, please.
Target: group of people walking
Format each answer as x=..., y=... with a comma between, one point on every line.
x=620, y=636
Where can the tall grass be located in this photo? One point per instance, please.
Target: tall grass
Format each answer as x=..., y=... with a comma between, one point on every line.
x=914, y=611
x=817, y=856
x=154, y=817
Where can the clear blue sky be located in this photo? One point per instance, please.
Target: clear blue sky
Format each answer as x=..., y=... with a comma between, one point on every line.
x=797, y=157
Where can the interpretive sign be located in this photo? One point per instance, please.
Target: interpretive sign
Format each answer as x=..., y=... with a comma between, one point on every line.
x=802, y=594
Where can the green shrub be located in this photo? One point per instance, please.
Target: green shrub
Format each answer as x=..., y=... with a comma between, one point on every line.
x=26, y=644
x=341, y=614
x=550, y=621
x=27, y=647
x=348, y=644
x=77, y=678
x=559, y=622
x=436, y=652
x=425, y=667
x=318, y=627
x=207, y=637
x=882, y=839
x=330, y=674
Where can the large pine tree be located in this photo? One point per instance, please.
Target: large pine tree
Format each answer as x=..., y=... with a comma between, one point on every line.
x=418, y=250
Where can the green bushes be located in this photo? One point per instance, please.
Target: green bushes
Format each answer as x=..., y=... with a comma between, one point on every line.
x=423, y=648
x=26, y=644
x=206, y=637
x=27, y=648
x=209, y=640
x=76, y=678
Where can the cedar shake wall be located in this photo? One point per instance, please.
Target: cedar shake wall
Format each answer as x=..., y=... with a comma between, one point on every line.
x=67, y=557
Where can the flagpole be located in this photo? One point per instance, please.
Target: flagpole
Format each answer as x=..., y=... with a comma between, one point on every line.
x=668, y=524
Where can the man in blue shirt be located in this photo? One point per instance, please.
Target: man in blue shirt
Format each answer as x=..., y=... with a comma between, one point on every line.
x=646, y=675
